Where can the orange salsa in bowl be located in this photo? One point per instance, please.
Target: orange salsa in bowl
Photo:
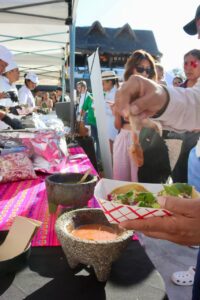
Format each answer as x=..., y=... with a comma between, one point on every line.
x=95, y=232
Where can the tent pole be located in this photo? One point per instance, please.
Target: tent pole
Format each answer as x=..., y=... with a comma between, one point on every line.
x=72, y=68
x=63, y=76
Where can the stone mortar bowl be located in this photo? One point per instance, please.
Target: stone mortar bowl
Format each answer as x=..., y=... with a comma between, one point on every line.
x=64, y=189
x=98, y=254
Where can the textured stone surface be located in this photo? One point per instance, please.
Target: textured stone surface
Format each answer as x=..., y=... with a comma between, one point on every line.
x=64, y=189
x=98, y=254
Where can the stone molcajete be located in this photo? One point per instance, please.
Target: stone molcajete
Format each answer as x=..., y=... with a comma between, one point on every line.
x=98, y=254
x=65, y=189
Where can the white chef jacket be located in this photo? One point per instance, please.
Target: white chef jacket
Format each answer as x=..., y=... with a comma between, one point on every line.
x=26, y=97
x=110, y=96
x=5, y=86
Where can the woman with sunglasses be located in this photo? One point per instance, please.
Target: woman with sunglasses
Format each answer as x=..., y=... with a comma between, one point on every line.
x=192, y=73
x=156, y=168
x=177, y=81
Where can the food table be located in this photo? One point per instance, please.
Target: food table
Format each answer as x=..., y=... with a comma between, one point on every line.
x=48, y=275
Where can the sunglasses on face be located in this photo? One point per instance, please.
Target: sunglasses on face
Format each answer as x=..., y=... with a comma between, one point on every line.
x=192, y=63
x=177, y=82
x=142, y=69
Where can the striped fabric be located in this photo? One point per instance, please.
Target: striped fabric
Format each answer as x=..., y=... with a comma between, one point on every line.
x=28, y=198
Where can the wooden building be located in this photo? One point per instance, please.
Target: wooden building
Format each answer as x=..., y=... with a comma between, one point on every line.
x=115, y=44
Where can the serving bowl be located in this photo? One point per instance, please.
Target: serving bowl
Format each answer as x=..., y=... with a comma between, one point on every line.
x=96, y=253
x=15, y=263
x=65, y=189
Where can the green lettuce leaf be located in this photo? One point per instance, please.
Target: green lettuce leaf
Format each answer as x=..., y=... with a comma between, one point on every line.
x=177, y=189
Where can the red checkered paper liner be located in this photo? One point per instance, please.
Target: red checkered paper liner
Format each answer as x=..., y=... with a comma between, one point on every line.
x=117, y=213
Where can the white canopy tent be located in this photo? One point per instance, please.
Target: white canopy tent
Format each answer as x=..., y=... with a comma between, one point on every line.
x=41, y=34
x=38, y=34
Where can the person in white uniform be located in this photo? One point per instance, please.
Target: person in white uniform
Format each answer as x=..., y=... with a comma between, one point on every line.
x=7, y=84
x=6, y=58
x=110, y=85
x=83, y=93
x=25, y=95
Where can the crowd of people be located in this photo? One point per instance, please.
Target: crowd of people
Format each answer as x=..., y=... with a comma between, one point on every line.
x=24, y=100
x=159, y=110
x=171, y=109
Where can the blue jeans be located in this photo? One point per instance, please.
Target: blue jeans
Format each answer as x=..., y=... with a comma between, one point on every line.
x=196, y=285
x=194, y=179
x=94, y=134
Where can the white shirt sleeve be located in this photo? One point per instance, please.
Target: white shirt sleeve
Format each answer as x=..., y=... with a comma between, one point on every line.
x=183, y=111
x=22, y=96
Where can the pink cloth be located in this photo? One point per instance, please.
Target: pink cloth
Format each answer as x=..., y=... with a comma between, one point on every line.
x=28, y=198
x=124, y=167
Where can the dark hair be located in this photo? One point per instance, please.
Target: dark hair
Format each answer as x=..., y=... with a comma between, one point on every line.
x=114, y=81
x=59, y=88
x=193, y=52
x=179, y=78
x=135, y=59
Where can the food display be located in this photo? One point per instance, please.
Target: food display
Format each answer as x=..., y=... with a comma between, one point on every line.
x=95, y=232
x=136, y=194
x=123, y=201
x=133, y=194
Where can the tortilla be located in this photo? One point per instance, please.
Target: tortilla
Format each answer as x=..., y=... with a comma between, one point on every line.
x=195, y=193
x=129, y=187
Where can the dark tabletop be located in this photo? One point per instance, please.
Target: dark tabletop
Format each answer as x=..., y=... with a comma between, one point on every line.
x=48, y=276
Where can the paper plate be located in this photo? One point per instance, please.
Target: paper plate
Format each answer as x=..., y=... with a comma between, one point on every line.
x=117, y=213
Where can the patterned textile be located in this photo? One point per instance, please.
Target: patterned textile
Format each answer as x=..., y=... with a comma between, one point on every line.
x=16, y=166
x=28, y=198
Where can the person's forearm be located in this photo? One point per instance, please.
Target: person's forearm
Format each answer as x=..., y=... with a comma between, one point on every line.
x=118, y=122
x=183, y=111
x=2, y=114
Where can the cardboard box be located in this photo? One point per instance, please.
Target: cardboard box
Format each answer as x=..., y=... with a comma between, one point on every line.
x=19, y=237
x=117, y=213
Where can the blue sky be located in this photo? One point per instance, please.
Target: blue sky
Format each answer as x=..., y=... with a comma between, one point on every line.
x=165, y=18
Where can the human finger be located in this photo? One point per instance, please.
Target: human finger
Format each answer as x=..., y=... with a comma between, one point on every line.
x=148, y=225
x=128, y=93
x=182, y=206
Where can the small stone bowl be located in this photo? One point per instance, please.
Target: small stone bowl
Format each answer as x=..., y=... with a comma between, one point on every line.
x=64, y=189
x=98, y=254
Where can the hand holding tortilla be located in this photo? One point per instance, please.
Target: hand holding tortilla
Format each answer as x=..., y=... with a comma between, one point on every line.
x=182, y=226
x=126, y=201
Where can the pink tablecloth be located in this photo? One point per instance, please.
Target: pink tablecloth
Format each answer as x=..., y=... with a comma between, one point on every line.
x=28, y=198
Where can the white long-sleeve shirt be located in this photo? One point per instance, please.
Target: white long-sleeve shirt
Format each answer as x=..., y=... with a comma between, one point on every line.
x=5, y=86
x=183, y=111
x=26, y=97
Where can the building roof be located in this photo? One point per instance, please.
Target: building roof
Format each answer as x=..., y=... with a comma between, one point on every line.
x=123, y=40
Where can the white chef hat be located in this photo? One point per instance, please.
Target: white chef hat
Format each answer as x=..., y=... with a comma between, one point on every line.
x=32, y=77
x=5, y=54
x=11, y=66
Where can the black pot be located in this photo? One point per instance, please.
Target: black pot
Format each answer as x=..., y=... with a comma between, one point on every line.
x=16, y=263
